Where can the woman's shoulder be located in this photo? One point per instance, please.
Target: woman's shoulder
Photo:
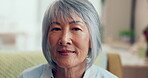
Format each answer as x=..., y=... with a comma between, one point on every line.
x=33, y=72
x=98, y=72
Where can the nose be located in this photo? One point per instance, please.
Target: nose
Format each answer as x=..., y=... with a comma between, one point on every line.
x=65, y=39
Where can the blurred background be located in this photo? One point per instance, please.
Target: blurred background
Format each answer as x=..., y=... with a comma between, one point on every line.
x=123, y=26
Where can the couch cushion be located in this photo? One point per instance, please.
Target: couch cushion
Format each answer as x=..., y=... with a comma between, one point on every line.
x=13, y=63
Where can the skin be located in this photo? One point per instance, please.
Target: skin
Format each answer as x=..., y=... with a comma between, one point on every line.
x=69, y=43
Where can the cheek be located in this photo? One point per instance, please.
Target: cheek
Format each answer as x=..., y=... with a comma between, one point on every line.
x=52, y=40
x=82, y=43
x=83, y=40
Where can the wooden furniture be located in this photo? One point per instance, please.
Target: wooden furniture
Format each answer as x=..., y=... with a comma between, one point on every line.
x=114, y=64
x=135, y=71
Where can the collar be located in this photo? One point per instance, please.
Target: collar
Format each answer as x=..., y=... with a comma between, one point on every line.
x=47, y=72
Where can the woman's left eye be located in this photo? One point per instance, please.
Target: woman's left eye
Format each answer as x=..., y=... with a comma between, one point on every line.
x=76, y=29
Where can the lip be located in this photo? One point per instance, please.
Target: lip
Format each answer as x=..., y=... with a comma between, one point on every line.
x=65, y=52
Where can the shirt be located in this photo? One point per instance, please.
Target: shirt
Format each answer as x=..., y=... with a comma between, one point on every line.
x=45, y=71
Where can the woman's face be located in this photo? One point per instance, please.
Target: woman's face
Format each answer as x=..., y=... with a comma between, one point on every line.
x=69, y=42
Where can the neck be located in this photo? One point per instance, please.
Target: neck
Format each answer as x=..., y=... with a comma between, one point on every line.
x=73, y=72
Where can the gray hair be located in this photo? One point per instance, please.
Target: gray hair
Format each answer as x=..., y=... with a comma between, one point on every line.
x=62, y=9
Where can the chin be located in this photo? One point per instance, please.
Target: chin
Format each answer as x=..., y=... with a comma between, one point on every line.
x=67, y=65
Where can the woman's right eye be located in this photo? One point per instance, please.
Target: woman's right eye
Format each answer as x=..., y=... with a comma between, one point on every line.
x=55, y=29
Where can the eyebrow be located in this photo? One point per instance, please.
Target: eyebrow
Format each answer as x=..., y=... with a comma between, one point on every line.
x=55, y=23
x=72, y=22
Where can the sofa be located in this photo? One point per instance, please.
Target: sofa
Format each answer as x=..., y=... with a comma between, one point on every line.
x=13, y=63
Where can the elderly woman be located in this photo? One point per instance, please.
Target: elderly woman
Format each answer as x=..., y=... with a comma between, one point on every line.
x=70, y=42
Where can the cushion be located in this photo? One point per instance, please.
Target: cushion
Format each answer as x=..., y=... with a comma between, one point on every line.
x=13, y=63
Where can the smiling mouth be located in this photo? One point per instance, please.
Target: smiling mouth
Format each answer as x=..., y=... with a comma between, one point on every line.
x=65, y=52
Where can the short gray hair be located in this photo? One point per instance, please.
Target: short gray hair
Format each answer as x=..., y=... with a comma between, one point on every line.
x=62, y=9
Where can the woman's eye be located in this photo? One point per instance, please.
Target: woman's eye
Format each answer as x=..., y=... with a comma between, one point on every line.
x=76, y=29
x=55, y=29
